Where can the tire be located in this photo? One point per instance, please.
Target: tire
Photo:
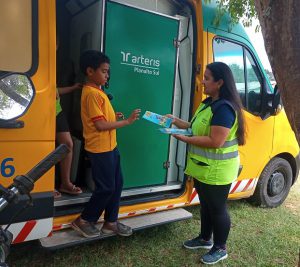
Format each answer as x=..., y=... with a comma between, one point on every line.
x=274, y=184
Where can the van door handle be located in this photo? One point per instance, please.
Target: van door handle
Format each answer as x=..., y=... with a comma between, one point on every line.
x=240, y=170
x=11, y=124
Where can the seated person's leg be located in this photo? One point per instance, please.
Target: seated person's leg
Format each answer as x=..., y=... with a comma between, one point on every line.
x=63, y=137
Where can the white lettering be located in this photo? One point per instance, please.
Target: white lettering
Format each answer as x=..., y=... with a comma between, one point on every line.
x=134, y=59
x=139, y=59
x=125, y=56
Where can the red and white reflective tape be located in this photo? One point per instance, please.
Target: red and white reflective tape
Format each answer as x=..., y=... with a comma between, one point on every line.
x=151, y=210
x=128, y=214
x=194, y=197
x=236, y=187
x=30, y=230
x=243, y=185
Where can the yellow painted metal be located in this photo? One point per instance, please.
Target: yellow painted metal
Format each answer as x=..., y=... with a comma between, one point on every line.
x=26, y=155
x=183, y=199
x=200, y=54
x=241, y=195
x=30, y=144
x=284, y=140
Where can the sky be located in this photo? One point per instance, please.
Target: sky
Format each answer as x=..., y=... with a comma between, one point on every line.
x=258, y=43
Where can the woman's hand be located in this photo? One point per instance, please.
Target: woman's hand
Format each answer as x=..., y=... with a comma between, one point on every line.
x=69, y=89
x=216, y=139
x=182, y=138
x=179, y=123
x=171, y=117
x=77, y=86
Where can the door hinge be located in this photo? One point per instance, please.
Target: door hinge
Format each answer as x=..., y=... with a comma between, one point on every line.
x=176, y=43
x=166, y=164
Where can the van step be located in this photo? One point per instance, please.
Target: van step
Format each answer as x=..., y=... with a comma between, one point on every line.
x=68, y=237
x=66, y=199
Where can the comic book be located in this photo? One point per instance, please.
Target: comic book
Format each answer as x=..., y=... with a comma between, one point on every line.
x=157, y=119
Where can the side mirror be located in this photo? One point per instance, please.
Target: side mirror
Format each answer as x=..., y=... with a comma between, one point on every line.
x=16, y=95
x=277, y=104
x=271, y=102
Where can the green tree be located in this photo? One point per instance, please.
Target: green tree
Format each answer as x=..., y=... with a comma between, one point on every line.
x=270, y=75
x=279, y=21
x=15, y=91
x=238, y=73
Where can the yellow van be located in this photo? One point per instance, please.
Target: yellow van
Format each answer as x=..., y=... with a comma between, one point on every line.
x=158, y=51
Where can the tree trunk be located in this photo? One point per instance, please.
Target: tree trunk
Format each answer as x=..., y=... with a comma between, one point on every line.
x=280, y=25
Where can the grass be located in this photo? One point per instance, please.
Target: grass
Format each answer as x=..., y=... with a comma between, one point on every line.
x=258, y=237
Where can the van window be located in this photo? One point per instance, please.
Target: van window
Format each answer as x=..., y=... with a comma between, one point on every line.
x=16, y=35
x=245, y=71
x=254, y=85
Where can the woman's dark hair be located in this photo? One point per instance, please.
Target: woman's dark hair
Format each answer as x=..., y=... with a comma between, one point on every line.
x=92, y=59
x=228, y=91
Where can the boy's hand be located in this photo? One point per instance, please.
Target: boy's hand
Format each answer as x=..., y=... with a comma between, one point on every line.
x=119, y=115
x=134, y=116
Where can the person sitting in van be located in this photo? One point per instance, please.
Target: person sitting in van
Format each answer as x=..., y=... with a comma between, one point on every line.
x=100, y=122
x=63, y=136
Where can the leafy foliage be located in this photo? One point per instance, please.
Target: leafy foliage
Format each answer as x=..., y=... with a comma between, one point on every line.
x=15, y=95
x=239, y=10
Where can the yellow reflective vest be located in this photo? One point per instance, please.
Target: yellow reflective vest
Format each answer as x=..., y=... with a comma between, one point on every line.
x=215, y=166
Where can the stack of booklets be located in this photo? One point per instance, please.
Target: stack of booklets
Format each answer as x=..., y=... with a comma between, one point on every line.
x=176, y=131
x=165, y=122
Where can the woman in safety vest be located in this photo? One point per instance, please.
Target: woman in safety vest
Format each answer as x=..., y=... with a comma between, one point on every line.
x=213, y=160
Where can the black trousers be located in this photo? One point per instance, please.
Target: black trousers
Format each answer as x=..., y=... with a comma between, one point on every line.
x=213, y=209
x=107, y=175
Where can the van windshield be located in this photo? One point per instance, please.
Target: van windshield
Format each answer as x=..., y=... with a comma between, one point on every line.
x=16, y=35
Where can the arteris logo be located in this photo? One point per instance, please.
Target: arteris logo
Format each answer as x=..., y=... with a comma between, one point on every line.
x=141, y=63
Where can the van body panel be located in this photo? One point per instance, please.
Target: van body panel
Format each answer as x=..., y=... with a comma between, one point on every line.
x=23, y=148
x=284, y=140
x=25, y=155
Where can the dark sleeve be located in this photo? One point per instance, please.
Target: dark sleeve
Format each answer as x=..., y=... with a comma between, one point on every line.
x=224, y=116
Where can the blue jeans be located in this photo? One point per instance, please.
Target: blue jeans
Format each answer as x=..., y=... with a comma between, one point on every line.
x=107, y=175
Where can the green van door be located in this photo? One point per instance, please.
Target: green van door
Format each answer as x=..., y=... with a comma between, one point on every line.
x=143, y=52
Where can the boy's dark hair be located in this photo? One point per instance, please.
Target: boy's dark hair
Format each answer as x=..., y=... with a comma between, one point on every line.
x=92, y=59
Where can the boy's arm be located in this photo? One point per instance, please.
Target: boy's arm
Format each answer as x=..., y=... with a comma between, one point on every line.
x=102, y=125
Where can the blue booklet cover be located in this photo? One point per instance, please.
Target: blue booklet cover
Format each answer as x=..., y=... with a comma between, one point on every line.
x=187, y=132
x=157, y=119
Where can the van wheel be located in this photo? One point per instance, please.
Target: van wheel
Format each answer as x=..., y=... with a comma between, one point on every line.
x=273, y=184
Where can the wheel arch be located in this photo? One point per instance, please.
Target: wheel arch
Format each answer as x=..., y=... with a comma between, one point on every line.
x=293, y=161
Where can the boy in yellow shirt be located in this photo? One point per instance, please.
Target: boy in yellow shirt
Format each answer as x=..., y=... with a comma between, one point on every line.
x=99, y=131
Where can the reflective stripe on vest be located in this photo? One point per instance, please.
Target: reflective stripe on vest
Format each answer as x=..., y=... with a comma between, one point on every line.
x=230, y=143
x=211, y=155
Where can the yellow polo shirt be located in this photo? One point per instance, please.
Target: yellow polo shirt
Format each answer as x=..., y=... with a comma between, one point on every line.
x=95, y=105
